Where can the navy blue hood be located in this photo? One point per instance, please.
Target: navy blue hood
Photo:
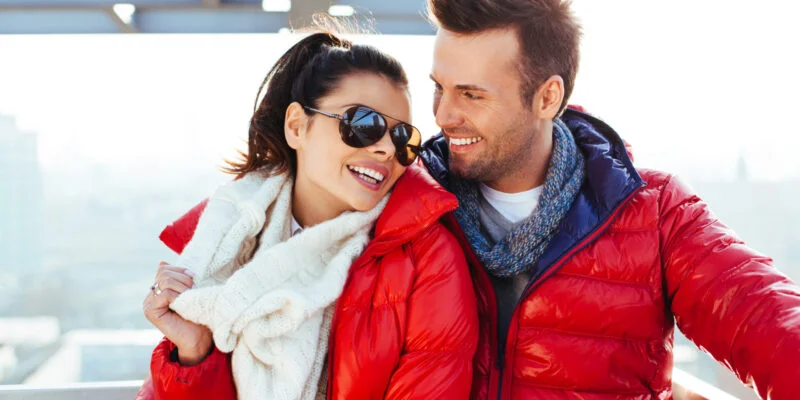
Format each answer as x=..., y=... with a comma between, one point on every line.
x=610, y=181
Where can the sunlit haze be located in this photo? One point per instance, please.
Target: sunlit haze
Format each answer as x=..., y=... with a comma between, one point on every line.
x=693, y=86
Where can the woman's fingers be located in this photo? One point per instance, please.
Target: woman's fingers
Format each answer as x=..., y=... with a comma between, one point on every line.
x=171, y=269
x=158, y=313
x=160, y=303
x=169, y=283
x=194, y=341
x=156, y=308
x=166, y=298
x=174, y=280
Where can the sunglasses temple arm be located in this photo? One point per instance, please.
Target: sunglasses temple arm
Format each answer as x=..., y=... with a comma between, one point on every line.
x=337, y=116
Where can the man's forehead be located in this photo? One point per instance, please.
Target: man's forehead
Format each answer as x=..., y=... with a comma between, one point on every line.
x=491, y=41
x=481, y=59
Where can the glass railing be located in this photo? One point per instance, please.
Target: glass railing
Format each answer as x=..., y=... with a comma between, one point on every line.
x=107, y=356
x=685, y=387
x=119, y=390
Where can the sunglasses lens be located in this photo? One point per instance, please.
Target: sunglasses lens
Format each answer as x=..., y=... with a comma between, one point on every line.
x=362, y=127
x=406, y=138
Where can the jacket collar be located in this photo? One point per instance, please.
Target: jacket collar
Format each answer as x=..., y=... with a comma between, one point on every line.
x=610, y=174
x=610, y=181
x=417, y=201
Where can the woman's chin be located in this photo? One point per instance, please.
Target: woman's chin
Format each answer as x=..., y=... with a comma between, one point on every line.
x=364, y=204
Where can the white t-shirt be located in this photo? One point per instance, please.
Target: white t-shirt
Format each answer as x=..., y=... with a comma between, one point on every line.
x=513, y=206
x=296, y=227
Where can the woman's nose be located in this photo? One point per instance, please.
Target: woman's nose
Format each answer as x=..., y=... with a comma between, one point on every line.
x=384, y=146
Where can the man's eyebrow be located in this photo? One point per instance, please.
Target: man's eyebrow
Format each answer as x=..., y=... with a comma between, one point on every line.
x=474, y=88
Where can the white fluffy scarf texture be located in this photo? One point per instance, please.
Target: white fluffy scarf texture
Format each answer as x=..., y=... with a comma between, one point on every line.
x=272, y=309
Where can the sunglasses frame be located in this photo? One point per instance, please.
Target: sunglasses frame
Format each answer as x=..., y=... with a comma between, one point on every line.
x=408, y=148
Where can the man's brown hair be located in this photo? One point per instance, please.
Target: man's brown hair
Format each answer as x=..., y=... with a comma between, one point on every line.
x=548, y=33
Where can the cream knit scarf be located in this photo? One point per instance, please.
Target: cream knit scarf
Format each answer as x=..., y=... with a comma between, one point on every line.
x=272, y=309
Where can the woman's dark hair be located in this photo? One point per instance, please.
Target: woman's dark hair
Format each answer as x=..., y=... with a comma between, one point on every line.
x=308, y=71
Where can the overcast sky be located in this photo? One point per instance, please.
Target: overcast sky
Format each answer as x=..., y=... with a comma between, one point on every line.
x=691, y=84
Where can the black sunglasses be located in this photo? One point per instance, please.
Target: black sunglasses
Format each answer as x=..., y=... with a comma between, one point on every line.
x=361, y=126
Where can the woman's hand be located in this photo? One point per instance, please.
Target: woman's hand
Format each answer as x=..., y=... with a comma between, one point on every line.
x=194, y=341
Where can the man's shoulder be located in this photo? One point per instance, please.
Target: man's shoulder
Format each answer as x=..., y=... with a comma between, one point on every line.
x=665, y=188
x=654, y=178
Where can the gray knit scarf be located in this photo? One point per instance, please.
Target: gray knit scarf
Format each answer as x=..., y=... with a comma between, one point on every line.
x=519, y=250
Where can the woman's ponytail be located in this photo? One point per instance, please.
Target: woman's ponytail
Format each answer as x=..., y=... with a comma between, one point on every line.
x=266, y=143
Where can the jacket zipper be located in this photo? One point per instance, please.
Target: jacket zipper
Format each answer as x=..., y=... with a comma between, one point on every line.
x=550, y=271
x=331, y=343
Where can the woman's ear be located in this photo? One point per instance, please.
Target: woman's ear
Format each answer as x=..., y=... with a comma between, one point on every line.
x=295, y=124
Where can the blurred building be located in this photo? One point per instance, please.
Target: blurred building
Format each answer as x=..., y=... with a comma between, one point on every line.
x=21, y=207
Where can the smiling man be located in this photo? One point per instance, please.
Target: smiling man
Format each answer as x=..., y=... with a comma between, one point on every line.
x=584, y=263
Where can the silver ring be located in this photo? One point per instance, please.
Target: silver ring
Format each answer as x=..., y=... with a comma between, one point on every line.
x=156, y=290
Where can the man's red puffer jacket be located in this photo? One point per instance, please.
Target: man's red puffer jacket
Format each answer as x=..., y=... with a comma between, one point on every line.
x=637, y=254
x=405, y=326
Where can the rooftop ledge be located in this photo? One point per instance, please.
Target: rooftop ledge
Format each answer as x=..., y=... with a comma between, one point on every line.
x=117, y=390
x=685, y=385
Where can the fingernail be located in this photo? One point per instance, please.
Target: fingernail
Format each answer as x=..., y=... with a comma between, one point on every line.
x=162, y=263
x=190, y=273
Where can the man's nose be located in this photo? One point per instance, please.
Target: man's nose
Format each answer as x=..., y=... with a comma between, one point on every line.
x=446, y=113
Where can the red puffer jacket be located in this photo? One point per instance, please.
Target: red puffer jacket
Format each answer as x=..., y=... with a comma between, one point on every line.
x=405, y=326
x=636, y=253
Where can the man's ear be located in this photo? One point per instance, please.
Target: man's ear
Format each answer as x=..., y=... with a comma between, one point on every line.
x=548, y=97
x=294, y=127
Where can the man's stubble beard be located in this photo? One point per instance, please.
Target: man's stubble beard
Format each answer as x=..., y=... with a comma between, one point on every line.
x=506, y=158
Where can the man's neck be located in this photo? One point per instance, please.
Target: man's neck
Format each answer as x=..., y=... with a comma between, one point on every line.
x=527, y=174
x=517, y=182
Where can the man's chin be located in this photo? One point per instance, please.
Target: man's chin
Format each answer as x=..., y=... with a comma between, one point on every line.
x=462, y=169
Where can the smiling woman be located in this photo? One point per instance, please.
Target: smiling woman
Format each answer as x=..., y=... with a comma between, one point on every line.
x=265, y=269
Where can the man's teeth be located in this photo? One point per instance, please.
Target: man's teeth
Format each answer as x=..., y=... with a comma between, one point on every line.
x=371, y=175
x=464, y=142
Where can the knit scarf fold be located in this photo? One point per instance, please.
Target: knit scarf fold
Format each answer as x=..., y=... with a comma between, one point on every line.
x=271, y=307
x=521, y=248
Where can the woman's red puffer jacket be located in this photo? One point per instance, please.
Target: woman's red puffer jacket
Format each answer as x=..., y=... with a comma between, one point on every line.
x=405, y=325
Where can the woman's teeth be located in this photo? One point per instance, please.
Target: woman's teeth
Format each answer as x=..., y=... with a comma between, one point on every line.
x=464, y=142
x=367, y=174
